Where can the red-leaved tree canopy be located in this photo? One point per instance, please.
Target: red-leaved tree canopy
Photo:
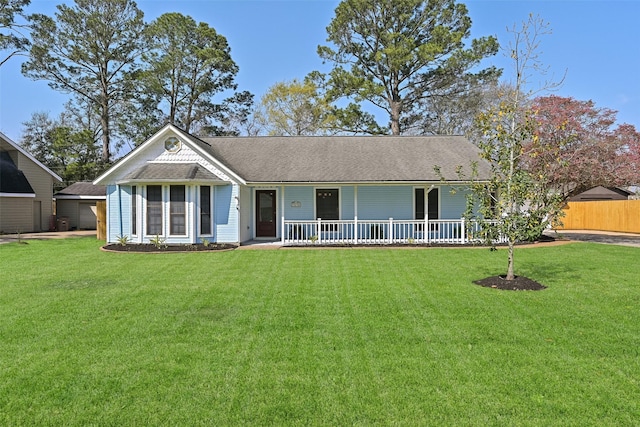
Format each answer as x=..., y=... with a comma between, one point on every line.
x=582, y=145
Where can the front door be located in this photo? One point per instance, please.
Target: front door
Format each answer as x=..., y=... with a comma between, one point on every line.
x=265, y=213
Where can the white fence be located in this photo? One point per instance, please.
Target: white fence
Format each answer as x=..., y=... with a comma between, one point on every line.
x=359, y=232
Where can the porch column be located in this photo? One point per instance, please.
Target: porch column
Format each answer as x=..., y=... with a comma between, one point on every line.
x=426, y=211
x=282, y=228
x=355, y=214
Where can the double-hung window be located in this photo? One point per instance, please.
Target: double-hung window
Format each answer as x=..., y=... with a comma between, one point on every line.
x=154, y=209
x=205, y=210
x=177, y=210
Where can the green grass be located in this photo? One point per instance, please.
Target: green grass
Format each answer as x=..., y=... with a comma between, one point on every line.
x=317, y=337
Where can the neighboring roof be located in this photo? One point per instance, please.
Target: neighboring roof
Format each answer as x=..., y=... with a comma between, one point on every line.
x=602, y=193
x=83, y=189
x=7, y=144
x=346, y=158
x=171, y=172
x=12, y=179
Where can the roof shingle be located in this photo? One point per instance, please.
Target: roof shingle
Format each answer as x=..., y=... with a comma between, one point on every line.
x=171, y=172
x=12, y=179
x=83, y=189
x=346, y=159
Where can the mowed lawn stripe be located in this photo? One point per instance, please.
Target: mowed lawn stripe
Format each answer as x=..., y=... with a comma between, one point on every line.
x=317, y=337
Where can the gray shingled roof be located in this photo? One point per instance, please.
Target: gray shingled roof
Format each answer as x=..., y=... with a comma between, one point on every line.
x=171, y=172
x=83, y=189
x=345, y=158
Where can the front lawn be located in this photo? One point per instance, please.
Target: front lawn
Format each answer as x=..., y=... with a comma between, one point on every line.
x=317, y=337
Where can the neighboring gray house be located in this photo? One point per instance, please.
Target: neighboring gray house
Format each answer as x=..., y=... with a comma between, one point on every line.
x=77, y=203
x=297, y=190
x=26, y=190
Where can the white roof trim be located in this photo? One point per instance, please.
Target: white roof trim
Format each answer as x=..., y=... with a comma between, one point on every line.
x=170, y=181
x=101, y=180
x=78, y=197
x=29, y=156
x=358, y=183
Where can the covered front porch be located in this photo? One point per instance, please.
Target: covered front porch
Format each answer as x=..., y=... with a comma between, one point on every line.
x=391, y=214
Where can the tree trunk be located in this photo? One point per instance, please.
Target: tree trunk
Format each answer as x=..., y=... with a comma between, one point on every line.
x=510, y=274
x=104, y=124
x=396, y=109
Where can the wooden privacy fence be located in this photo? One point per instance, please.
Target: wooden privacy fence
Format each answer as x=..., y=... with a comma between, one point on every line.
x=610, y=215
x=101, y=220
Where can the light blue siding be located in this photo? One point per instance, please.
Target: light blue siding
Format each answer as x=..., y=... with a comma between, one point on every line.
x=119, y=212
x=347, y=203
x=226, y=213
x=374, y=203
x=303, y=203
x=125, y=209
x=452, y=206
x=385, y=202
x=113, y=218
x=246, y=209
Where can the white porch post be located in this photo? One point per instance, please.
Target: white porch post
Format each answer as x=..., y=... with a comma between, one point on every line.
x=355, y=214
x=192, y=209
x=282, y=236
x=427, y=231
x=463, y=233
x=390, y=230
x=282, y=229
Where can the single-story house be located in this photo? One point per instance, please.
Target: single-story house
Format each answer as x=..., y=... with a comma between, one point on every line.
x=26, y=190
x=77, y=203
x=602, y=193
x=297, y=190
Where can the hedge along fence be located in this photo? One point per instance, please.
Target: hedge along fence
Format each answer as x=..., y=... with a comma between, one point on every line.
x=609, y=215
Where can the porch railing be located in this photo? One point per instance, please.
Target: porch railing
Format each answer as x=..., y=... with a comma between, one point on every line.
x=363, y=232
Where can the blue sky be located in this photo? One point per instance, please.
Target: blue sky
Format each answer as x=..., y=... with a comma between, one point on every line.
x=595, y=42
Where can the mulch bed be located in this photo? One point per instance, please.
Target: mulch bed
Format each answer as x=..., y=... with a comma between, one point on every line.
x=150, y=248
x=519, y=283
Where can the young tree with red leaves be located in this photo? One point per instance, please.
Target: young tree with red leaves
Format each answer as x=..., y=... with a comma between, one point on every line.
x=591, y=150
